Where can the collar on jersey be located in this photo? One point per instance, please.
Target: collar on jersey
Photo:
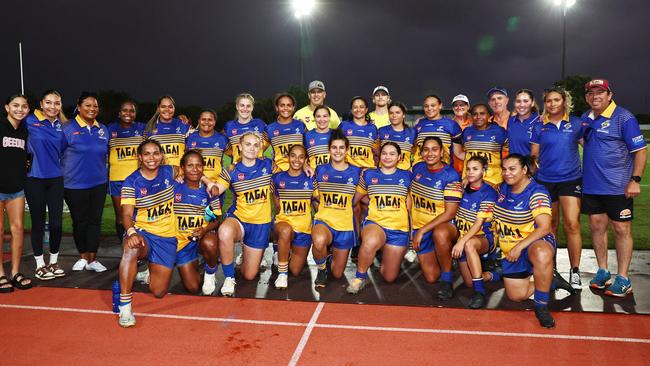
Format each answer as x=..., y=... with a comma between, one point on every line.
x=607, y=113
x=83, y=123
x=564, y=118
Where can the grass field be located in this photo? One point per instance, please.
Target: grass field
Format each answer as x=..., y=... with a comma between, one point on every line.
x=641, y=224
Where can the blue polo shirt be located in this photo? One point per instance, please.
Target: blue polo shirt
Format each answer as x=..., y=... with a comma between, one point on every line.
x=46, y=143
x=519, y=133
x=559, y=159
x=610, y=141
x=84, y=160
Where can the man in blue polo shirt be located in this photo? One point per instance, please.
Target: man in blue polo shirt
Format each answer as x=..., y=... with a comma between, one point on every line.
x=615, y=155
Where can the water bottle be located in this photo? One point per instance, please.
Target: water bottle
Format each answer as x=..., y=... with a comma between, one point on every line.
x=116, y=296
x=46, y=233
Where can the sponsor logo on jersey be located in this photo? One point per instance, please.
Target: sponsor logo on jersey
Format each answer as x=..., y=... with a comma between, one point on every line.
x=519, y=206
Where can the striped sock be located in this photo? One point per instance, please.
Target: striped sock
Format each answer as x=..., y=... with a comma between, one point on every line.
x=321, y=263
x=362, y=275
x=540, y=298
x=283, y=267
x=478, y=285
x=126, y=299
x=228, y=269
x=210, y=270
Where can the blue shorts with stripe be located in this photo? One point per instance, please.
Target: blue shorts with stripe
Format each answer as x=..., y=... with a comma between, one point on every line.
x=393, y=237
x=161, y=250
x=343, y=240
x=115, y=188
x=522, y=265
x=426, y=245
x=188, y=254
x=256, y=236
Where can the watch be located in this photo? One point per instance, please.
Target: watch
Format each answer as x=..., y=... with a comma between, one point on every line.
x=636, y=178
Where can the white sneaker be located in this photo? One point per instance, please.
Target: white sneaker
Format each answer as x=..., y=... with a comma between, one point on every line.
x=126, y=318
x=209, y=284
x=356, y=285
x=95, y=266
x=282, y=282
x=143, y=277
x=275, y=259
x=80, y=265
x=411, y=256
x=574, y=280
x=239, y=259
x=228, y=288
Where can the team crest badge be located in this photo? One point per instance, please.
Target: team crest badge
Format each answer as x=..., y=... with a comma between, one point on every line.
x=374, y=180
x=501, y=198
x=178, y=197
x=282, y=184
x=349, y=132
x=240, y=176
x=143, y=191
x=155, y=131
x=418, y=176
x=234, y=131
x=325, y=177
x=386, y=137
x=114, y=134
x=276, y=132
x=193, y=143
x=312, y=142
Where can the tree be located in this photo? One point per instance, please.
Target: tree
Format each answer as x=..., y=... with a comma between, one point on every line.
x=575, y=85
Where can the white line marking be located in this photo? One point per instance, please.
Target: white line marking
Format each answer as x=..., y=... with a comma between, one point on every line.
x=312, y=324
x=305, y=336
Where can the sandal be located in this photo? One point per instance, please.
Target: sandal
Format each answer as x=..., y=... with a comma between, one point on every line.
x=44, y=274
x=3, y=285
x=18, y=279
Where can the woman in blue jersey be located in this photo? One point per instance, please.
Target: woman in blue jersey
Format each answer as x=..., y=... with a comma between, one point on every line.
x=434, y=124
x=555, y=147
x=386, y=226
x=435, y=194
x=85, y=179
x=522, y=217
x=244, y=122
x=334, y=224
x=520, y=125
x=474, y=228
x=249, y=217
x=286, y=131
x=210, y=143
x=293, y=192
x=44, y=185
x=168, y=130
x=124, y=138
x=398, y=132
x=317, y=140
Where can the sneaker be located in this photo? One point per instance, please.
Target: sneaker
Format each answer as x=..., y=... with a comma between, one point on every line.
x=209, y=284
x=477, y=301
x=95, y=266
x=574, y=279
x=228, y=288
x=560, y=283
x=544, y=316
x=79, y=265
x=446, y=291
x=56, y=269
x=620, y=288
x=321, y=278
x=126, y=318
x=601, y=280
x=44, y=273
x=143, y=277
x=239, y=259
x=275, y=259
x=356, y=285
x=411, y=256
x=281, y=282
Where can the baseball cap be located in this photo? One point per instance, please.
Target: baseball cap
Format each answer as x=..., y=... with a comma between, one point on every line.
x=460, y=97
x=380, y=88
x=497, y=89
x=316, y=84
x=598, y=84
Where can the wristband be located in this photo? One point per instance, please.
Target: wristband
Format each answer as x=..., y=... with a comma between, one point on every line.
x=131, y=231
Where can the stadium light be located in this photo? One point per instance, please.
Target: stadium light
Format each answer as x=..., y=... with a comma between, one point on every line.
x=565, y=4
x=302, y=8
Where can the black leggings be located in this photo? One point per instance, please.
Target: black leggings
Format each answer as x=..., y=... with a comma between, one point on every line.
x=86, y=208
x=39, y=194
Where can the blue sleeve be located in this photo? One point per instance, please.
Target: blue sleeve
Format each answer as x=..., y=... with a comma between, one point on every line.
x=535, y=136
x=632, y=133
x=455, y=130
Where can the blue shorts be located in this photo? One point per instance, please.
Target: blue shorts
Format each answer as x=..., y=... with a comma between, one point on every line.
x=522, y=268
x=343, y=240
x=161, y=250
x=115, y=188
x=426, y=245
x=256, y=236
x=491, y=248
x=188, y=254
x=393, y=237
x=301, y=239
x=11, y=196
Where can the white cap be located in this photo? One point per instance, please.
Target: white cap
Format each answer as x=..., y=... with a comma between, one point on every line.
x=380, y=88
x=460, y=97
x=316, y=84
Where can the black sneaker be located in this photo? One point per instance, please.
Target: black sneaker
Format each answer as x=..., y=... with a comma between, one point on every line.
x=477, y=301
x=544, y=317
x=321, y=278
x=560, y=283
x=446, y=291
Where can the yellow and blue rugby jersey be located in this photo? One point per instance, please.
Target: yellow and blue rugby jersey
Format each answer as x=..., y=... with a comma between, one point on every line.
x=363, y=139
x=153, y=201
x=283, y=137
x=123, y=154
x=295, y=195
x=46, y=143
x=189, y=211
x=317, y=147
x=306, y=115
x=444, y=128
x=233, y=131
x=430, y=190
x=488, y=143
x=515, y=213
x=171, y=136
x=404, y=139
x=212, y=148
x=335, y=191
x=476, y=204
x=251, y=188
x=387, y=194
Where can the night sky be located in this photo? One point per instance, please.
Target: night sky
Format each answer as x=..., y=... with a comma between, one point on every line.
x=205, y=52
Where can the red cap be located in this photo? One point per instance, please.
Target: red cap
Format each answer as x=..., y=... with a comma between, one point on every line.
x=597, y=83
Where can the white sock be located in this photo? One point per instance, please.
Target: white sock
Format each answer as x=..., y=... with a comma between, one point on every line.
x=125, y=308
x=208, y=275
x=40, y=262
x=54, y=257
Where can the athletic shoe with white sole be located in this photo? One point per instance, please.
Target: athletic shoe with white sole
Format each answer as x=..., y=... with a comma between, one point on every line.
x=601, y=280
x=79, y=265
x=356, y=285
x=126, y=318
x=95, y=266
x=560, y=283
x=143, y=277
x=239, y=259
x=620, y=288
x=209, y=284
x=282, y=282
x=228, y=288
x=275, y=259
x=574, y=279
